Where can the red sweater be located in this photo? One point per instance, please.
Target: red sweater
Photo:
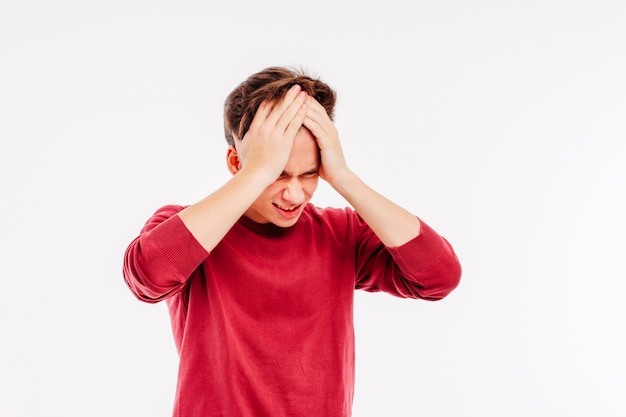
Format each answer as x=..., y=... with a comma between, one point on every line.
x=263, y=324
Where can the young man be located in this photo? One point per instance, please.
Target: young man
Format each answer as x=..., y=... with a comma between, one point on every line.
x=259, y=282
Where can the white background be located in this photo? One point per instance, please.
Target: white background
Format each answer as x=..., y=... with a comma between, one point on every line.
x=501, y=123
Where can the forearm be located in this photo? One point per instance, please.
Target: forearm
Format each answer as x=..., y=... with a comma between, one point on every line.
x=212, y=217
x=255, y=162
x=393, y=225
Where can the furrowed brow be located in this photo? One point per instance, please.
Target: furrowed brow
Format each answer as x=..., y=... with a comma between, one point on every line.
x=307, y=172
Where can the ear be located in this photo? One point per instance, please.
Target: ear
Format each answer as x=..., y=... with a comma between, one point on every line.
x=232, y=160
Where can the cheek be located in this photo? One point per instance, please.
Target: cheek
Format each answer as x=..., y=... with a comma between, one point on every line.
x=270, y=192
x=310, y=185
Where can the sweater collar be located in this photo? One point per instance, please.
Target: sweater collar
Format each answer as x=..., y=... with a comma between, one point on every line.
x=265, y=228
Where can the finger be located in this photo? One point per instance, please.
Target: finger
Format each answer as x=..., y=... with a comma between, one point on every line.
x=316, y=120
x=316, y=105
x=296, y=122
x=292, y=112
x=280, y=107
x=317, y=112
x=316, y=129
x=261, y=115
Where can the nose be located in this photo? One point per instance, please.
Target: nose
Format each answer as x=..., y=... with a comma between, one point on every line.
x=293, y=192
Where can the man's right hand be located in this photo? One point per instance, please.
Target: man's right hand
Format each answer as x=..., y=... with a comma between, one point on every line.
x=257, y=160
x=266, y=147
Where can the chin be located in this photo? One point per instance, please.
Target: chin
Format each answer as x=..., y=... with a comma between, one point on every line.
x=286, y=223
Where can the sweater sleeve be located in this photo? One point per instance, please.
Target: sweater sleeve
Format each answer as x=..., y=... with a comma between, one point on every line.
x=425, y=267
x=159, y=262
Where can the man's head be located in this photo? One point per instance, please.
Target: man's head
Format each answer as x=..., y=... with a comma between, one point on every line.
x=269, y=84
x=283, y=201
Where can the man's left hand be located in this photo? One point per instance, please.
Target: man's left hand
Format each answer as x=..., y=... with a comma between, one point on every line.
x=333, y=164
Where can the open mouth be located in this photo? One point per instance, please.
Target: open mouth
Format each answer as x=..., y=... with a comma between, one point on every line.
x=288, y=211
x=283, y=208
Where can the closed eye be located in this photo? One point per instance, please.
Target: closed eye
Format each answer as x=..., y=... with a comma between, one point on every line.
x=308, y=174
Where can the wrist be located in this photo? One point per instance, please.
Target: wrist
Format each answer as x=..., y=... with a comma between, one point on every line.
x=344, y=181
x=261, y=176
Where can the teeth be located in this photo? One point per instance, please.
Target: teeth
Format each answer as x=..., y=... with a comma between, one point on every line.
x=286, y=208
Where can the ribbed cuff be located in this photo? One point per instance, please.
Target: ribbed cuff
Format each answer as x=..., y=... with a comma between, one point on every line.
x=421, y=252
x=179, y=246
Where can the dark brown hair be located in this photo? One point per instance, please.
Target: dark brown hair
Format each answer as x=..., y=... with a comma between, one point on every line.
x=270, y=84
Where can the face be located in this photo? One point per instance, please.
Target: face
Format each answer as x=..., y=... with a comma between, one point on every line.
x=283, y=201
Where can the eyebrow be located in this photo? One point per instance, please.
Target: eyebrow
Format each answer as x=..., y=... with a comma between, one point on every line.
x=291, y=174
